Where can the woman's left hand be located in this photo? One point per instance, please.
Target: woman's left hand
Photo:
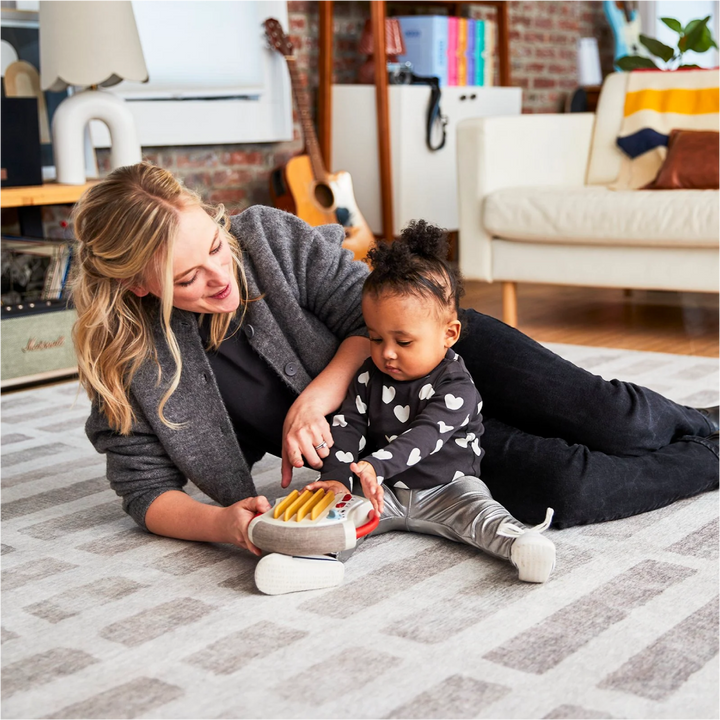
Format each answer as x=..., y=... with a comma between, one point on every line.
x=306, y=434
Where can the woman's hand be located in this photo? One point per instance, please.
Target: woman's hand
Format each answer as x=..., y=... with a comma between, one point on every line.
x=304, y=429
x=236, y=519
x=305, y=426
x=372, y=489
x=175, y=514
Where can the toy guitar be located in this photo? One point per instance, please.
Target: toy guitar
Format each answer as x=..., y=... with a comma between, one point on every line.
x=624, y=20
x=304, y=187
x=312, y=523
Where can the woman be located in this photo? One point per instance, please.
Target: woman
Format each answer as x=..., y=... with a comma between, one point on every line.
x=205, y=343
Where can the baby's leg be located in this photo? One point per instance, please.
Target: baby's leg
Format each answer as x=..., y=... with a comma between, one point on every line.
x=464, y=511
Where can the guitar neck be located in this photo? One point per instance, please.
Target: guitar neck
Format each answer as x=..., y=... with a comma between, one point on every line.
x=629, y=10
x=311, y=142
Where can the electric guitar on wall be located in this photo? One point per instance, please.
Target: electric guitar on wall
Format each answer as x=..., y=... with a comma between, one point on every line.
x=624, y=19
x=304, y=187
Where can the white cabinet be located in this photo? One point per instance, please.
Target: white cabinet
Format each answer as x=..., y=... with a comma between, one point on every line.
x=424, y=182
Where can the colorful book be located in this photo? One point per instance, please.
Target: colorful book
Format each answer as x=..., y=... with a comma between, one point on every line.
x=489, y=71
x=426, y=41
x=470, y=52
x=479, y=52
x=462, y=76
x=452, y=51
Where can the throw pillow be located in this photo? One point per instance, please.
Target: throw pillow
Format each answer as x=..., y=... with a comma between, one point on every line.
x=691, y=162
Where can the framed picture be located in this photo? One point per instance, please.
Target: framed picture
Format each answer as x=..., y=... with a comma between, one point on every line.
x=20, y=41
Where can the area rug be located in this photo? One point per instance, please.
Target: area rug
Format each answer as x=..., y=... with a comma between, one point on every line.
x=101, y=620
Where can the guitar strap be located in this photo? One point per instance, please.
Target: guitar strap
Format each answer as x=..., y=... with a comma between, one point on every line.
x=435, y=118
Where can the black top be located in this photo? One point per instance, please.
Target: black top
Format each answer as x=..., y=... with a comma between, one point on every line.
x=256, y=399
x=415, y=433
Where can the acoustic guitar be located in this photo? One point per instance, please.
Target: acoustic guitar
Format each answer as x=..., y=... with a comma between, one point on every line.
x=303, y=186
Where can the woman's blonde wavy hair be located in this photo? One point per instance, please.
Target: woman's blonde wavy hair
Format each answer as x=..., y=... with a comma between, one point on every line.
x=125, y=228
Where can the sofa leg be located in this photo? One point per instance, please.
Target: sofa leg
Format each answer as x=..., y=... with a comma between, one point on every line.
x=509, y=292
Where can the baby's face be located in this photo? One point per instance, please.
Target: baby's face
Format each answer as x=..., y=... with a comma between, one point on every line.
x=408, y=336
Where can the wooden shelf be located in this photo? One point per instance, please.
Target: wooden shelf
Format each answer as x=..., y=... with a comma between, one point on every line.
x=47, y=194
x=377, y=16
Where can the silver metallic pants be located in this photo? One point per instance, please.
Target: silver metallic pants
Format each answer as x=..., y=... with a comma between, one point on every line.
x=462, y=511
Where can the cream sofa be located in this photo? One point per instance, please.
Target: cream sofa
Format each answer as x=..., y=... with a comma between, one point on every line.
x=535, y=206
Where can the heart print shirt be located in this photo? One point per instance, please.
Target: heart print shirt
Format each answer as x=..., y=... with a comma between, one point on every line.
x=415, y=433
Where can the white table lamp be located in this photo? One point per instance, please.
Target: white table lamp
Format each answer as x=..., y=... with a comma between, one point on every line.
x=89, y=44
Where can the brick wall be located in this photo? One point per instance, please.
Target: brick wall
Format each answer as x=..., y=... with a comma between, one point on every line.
x=543, y=38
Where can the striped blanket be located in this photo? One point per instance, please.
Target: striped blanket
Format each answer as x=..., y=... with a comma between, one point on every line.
x=656, y=103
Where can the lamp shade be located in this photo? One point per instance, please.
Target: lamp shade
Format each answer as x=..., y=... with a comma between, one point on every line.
x=89, y=43
x=394, y=41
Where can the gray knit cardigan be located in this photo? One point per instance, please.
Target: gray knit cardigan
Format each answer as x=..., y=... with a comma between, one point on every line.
x=311, y=291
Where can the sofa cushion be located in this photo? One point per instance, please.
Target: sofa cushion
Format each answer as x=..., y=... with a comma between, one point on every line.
x=596, y=215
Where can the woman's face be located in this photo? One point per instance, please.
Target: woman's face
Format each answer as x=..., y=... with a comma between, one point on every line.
x=203, y=268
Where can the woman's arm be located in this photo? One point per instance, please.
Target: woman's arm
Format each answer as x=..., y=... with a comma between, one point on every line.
x=305, y=425
x=177, y=515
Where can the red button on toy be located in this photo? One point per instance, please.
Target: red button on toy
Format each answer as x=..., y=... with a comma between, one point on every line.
x=346, y=498
x=340, y=505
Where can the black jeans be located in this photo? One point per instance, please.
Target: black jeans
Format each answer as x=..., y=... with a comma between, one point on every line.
x=558, y=436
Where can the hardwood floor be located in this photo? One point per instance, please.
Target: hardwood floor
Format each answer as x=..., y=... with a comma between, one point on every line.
x=680, y=323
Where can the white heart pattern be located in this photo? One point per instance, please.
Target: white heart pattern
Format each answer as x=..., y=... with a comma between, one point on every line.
x=465, y=421
x=400, y=484
x=346, y=457
x=390, y=438
x=382, y=454
x=437, y=447
x=339, y=420
x=458, y=474
x=426, y=392
x=476, y=447
x=379, y=479
x=445, y=428
x=453, y=403
x=462, y=442
x=402, y=412
x=480, y=406
x=388, y=394
x=361, y=406
x=363, y=442
x=363, y=378
x=415, y=457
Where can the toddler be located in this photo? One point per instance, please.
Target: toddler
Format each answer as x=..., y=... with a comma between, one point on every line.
x=410, y=427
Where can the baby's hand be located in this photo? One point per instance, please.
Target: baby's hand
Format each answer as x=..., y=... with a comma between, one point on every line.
x=328, y=485
x=371, y=487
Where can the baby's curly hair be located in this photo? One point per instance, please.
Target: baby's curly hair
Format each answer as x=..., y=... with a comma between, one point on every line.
x=415, y=264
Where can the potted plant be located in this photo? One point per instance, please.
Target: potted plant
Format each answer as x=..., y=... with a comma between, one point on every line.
x=695, y=36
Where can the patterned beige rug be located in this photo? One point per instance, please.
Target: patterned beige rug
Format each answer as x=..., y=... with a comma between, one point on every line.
x=100, y=620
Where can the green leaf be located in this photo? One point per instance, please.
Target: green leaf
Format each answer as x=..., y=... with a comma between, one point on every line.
x=705, y=42
x=694, y=33
x=673, y=24
x=657, y=48
x=635, y=62
x=696, y=67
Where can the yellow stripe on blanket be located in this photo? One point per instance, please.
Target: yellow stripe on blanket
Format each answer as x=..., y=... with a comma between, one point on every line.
x=676, y=100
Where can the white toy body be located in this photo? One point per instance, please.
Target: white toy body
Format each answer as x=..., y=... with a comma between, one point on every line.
x=312, y=523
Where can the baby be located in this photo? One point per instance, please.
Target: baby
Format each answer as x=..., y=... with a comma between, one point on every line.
x=411, y=424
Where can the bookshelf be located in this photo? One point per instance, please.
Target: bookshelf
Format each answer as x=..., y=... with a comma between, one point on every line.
x=46, y=194
x=36, y=343
x=378, y=13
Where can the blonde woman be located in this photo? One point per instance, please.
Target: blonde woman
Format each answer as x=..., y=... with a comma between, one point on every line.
x=205, y=343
